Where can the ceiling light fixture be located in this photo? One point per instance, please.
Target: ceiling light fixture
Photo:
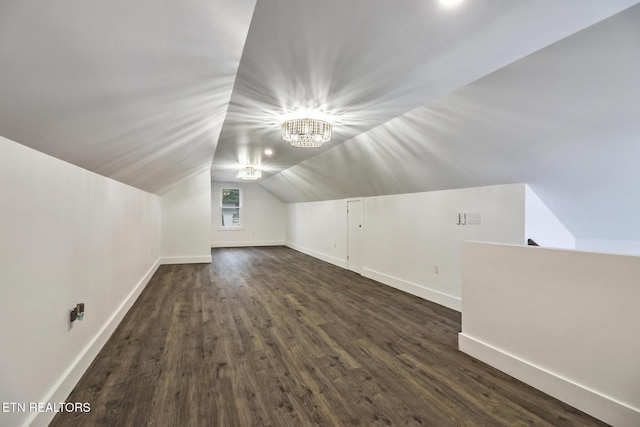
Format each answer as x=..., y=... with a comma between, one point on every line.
x=268, y=151
x=450, y=3
x=250, y=173
x=306, y=132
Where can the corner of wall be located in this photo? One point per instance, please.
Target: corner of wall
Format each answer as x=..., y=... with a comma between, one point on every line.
x=70, y=378
x=319, y=255
x=186, y=221
x=543, y=226
x=102, y=244
x=263, y=217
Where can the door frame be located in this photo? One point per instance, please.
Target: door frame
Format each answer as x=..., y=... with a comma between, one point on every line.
x=360, y=248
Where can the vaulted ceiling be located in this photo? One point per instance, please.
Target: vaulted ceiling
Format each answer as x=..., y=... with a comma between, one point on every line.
x=422, y=97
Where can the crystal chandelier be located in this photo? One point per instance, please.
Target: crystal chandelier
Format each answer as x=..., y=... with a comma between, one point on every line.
x=306, y=132
x=250, y=173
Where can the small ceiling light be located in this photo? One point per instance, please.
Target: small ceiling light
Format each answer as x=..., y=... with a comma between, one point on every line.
x=250, y=173
x=268, y=151
x=306, y=132
x=450, y=3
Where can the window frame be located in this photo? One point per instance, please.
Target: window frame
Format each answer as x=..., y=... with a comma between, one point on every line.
x=232, y=227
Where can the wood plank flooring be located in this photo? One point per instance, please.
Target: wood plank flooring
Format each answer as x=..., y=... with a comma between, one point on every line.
x=272, y=337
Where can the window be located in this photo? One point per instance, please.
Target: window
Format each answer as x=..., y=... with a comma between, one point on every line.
x=230, y=207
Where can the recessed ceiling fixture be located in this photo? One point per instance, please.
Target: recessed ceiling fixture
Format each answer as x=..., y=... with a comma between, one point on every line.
x=306, y=132
x=450, y=3
x=250, y=173
x=268, y=151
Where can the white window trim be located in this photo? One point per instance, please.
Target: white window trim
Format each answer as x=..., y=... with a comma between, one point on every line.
x=240, y=207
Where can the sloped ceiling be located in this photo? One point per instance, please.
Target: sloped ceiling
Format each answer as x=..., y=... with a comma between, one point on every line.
x=136, y=91
x=363, y=63
x=565, y=120
x=422, y=97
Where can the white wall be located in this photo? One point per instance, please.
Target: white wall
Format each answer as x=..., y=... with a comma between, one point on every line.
x=186, y=224
x=543, y=226
x=406, y=235
x=263, y=217
x=563, y=321
x=67, y=236
x=624, y=247
x=319, y=229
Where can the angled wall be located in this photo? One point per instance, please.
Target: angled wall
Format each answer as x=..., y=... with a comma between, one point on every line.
x=542, y=225
x=68, y=236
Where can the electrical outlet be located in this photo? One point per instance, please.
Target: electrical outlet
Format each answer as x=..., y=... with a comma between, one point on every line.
x=436, y=269
x=77, y=313
x=80, y=311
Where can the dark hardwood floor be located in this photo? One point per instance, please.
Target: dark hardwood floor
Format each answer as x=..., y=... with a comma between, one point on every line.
x=272, y=337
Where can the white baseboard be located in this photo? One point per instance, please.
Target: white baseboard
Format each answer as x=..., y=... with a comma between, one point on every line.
x=65, y=384
x=590, y=401
x=324, y=257
x=203, y=259
x=433, y=295
x=245, y=244
x=421, y=291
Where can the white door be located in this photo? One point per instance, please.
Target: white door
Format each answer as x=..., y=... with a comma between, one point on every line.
x=354, y=236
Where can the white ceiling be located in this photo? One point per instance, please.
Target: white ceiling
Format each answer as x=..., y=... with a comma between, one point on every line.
x=136, y=91
x=422, y=98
